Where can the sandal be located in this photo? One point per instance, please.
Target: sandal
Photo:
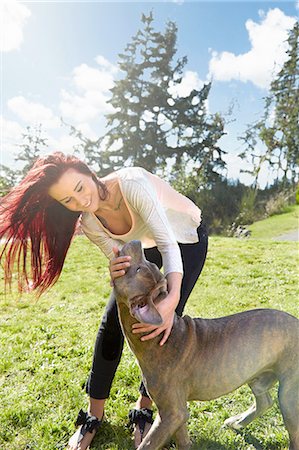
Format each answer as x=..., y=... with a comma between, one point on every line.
x=140, y=418
x=88, y=424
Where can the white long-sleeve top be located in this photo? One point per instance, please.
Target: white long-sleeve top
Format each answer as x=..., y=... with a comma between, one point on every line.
x=160, y=217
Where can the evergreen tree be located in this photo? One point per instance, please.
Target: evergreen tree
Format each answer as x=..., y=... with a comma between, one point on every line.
x=152, y=123
x=198, y=133
x=33, y=142
x=140, y=99
x=8, y=178
x=96, y=156
x=278, y=128
x=31, y=146
x=284, y=135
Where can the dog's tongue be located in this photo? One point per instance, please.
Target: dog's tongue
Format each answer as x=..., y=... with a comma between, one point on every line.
x=147, y=314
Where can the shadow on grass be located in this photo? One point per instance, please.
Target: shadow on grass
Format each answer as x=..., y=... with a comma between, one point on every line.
x=252, y=440
x=207, y=444
x=200, y=444
x=114, y=437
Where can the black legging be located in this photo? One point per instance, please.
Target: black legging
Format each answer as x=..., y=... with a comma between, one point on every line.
x=110, y=340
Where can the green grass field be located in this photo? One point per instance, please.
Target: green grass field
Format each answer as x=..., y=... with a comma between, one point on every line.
x=277, y=225
x=47, y=346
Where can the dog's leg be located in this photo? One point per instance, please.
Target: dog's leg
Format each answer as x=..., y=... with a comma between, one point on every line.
x=164, y=427
x=182, y=438
x=288, y=395
x=263, y=401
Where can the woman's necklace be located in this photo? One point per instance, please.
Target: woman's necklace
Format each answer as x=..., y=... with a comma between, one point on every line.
x=117, y=207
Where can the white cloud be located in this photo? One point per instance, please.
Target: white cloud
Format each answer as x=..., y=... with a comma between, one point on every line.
x=87, y=131
x=10, y=129
x=82, y=106
x=103, y=62
x=11, y=136
x=14, y=16
x=56, y=139
x=92, y=90
x=189, y=82
x=33, y=113
x=266, y=56
x=75, y=108
x=90, y=79
x=63, y=143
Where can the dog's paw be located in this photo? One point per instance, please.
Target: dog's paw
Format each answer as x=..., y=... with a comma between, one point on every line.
x=234, y=422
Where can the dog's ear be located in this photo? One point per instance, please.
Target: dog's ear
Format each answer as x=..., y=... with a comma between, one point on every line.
x=133, y=249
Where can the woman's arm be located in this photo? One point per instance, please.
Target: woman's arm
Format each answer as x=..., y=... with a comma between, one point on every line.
x=142, y=196
x=143, y=199
x=166, y=309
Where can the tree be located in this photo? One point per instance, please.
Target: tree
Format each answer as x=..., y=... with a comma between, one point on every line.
x=8, y=179
x=31, y=146
x=136, y=135
x=278, y=128
x=96, y=156
x=197, y=153
x=152, y=124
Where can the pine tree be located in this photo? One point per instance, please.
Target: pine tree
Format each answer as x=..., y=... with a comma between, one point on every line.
x=134, y=134
x=152, y=124
x=33, y=142
x=278, y=128
x=197, y=139
x=284, y=134
x=8, y=178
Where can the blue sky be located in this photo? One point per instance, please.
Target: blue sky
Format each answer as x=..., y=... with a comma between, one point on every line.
x=59, y=59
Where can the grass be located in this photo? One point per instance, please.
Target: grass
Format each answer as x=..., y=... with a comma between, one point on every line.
x=277, y=225
x=46, y=349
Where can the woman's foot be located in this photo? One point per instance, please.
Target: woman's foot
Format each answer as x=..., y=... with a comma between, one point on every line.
x=141, y=418
x=96, y=409
x=84, y=444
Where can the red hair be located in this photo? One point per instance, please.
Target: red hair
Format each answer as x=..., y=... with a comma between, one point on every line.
x=37, y=228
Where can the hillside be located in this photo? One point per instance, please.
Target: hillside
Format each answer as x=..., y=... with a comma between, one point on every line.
x=276, y=227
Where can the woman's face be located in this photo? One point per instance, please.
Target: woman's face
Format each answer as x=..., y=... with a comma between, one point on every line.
x=76, y=191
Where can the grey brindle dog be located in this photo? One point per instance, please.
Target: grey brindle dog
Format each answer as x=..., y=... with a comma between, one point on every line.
x=206, y=358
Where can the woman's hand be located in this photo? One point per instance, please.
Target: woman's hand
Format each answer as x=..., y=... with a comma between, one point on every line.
x=166, y=310
x=118, y=265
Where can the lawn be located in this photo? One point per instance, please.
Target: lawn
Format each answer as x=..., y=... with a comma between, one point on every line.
x=47, y=346
x=277, y=225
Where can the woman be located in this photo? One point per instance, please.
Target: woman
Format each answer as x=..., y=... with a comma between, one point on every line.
x=42, y=213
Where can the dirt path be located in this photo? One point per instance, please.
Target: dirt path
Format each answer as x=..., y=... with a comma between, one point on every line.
x=290, y=236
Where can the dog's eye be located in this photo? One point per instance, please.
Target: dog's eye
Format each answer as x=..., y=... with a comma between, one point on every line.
x=138, y=269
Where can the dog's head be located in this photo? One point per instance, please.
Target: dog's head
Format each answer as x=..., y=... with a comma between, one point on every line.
x=142, y=286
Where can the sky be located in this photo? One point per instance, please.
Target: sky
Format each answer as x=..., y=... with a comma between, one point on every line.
x=59, y=61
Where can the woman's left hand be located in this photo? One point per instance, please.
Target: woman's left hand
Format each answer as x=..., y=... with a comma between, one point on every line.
x=166, y=311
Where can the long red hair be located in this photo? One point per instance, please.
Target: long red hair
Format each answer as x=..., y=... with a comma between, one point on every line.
x=36, y=229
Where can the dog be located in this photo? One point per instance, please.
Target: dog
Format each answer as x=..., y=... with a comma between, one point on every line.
x=206, y=358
